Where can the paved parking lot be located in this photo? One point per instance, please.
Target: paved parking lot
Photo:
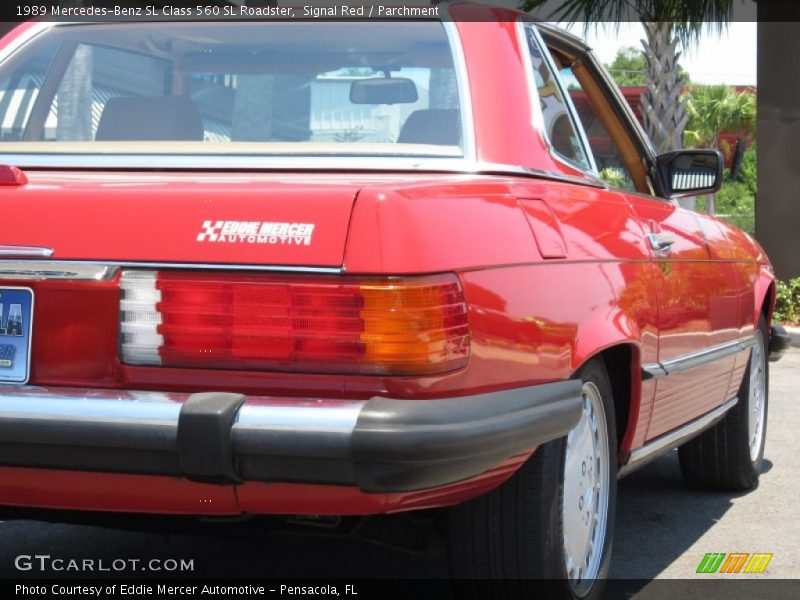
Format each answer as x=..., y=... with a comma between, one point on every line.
x=663, y=527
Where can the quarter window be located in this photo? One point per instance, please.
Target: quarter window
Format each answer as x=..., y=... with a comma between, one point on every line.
x=607, y=157
x=559, y=124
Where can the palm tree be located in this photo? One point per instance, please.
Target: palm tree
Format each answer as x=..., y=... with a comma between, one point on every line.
x=667, y=24
x=714, y=109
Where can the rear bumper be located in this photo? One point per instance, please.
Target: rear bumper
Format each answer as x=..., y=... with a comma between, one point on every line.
x=378, y=445
x=779, y=342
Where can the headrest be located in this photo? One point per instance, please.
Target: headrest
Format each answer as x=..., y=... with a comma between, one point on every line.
x=150, y=118
x=438, y=126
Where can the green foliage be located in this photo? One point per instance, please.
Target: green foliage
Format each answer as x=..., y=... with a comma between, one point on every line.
x=787, y=301
x=748, y=173
x=630, y=66
x=735, y=201
x=714, y=109
x=615, y=177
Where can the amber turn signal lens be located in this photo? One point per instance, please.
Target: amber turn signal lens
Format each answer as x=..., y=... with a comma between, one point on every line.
x=414, y=326
x=387, y=326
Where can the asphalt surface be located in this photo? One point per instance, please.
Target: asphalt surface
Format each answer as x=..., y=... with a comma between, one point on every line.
x=663, y=527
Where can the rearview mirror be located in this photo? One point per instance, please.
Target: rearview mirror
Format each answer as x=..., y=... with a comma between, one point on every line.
x=690, y=172
x=388, y=90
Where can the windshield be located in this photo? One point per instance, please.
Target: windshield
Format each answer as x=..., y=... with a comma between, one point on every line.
x=318, y=88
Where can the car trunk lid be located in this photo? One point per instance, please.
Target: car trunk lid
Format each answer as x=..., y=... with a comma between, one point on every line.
x=224, y=218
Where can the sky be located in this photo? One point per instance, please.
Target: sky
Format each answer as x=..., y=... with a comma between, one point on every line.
x=729, y=57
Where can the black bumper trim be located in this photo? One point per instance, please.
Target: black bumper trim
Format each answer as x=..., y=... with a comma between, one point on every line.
x=401, y=445
x=380, y=445
x=779, y=342
x=204, y=437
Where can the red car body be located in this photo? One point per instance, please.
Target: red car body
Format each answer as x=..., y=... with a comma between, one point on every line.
x=555, y=269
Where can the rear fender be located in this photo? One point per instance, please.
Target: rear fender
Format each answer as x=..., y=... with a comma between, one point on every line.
x=437, y=228
x=603, y=334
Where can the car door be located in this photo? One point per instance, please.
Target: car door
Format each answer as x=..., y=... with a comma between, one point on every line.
x=697, y=288
x=696, y=282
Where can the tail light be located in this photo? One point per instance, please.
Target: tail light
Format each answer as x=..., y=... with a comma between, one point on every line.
x=392, y=326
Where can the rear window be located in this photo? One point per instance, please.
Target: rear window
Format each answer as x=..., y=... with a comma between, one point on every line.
x=318, y=88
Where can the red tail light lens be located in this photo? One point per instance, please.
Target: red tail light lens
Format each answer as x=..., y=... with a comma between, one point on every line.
x=393, y=326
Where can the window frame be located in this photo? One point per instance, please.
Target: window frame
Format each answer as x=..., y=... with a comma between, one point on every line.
x=537, y=117
x=634, y=130
x=598, y=119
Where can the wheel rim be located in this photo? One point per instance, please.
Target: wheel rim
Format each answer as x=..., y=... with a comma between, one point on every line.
x=586, y=488
x=757, y=398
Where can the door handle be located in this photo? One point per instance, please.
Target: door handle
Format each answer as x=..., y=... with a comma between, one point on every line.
x=661, y=242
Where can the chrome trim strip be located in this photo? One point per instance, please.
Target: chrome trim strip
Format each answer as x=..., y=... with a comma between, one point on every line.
x=150, y=420
x=748, y=342
x=36, y=270
x=695, y=359
x=91, y=270
x=671, y=440
x=23, y=39
x=468, y=146
x=10, y=251
x=227, y=162
x=488, y=168
x=160, y=407
x=344, y=164
x=90, y=404
x=310, y=416
x=653, y=371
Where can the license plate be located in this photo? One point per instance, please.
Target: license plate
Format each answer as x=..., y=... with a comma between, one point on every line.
x=16, y=319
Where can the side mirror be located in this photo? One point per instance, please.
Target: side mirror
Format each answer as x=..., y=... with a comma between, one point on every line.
x=690, y=172
x=385, y=90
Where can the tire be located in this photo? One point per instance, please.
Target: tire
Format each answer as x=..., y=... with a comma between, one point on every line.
x=516, y=531
x=728, y=456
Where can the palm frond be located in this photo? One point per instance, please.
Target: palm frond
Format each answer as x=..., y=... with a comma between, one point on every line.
x=714, y=109
x=688, y=17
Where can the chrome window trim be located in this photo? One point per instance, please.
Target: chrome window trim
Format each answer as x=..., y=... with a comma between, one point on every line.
x=468, y=139
x=693, y=360
x=468, y=147
x=155, y=161
x=538, y=118
x=235, y=163
x=654, y=448
x=85, y=270
x=17, y=43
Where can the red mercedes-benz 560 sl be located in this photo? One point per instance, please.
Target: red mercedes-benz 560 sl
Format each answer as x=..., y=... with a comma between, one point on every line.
x=350, y=268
